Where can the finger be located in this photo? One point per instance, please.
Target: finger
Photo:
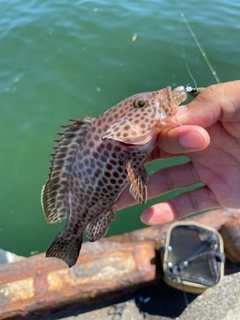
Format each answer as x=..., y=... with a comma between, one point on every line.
x=183, y=139
x=217, y=102
x=163, y=181
x=184, y=205
x=172, y=178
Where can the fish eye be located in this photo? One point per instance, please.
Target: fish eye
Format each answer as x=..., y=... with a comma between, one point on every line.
x=139, y=103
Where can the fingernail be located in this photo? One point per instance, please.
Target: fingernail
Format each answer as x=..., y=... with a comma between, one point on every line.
x=192, y=140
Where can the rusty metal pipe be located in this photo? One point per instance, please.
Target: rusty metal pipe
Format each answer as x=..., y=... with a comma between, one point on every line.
x=38, y=285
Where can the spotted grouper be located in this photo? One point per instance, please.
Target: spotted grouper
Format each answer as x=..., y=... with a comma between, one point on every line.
x=93, y=162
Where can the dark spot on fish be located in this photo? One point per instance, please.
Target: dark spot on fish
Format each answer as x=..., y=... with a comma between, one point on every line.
x=109, y=167
x=95, y=155
x=107, y=174
x=93, y=165
x=113, y=162
x=109, y=146
x=105, y=127
x=88, y=192
x=97, y=173
x=96, y=137
x=97, y=189
x=90, y=144
x=86, y=198
x=103, y=158
x=115, y=174
x=104, y=180
x=86, y=162
x=80, y=165
x=89, y=171
x=106, y=153
x=120, y=169
x=86, y=152
x=75, y=189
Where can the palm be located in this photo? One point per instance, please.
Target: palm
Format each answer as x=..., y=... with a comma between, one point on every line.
x=218, y=166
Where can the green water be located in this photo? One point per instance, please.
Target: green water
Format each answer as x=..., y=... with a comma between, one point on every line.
x=65, y=59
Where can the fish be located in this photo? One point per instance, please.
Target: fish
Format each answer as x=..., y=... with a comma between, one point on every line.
x=95, y=159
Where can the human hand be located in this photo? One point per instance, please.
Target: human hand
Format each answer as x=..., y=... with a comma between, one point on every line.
x=209, y=135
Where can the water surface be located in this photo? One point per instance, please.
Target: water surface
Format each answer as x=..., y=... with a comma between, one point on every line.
x=65, y=59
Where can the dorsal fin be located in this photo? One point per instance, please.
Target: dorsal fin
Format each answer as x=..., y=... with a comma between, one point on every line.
x=55, y=197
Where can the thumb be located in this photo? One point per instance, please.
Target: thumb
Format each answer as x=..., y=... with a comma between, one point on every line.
x=183, y=139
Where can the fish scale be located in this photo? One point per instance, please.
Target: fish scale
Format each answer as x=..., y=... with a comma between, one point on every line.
x=94, y=161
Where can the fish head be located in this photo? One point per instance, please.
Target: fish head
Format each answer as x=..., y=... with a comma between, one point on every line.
x=146, y=114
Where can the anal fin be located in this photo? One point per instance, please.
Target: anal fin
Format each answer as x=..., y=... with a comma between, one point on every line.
x=138, y=187
x=99, y=227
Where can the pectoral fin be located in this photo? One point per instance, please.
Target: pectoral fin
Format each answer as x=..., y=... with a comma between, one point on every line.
x=99, y=227
x=138, y=187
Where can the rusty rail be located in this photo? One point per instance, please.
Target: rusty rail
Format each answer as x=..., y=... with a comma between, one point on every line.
x=107, y=268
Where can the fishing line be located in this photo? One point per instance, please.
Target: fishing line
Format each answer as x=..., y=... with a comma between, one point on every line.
x=185, y=60
x=214, y=73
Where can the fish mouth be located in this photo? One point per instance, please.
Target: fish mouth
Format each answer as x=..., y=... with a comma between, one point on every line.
x=168, y=101
x=161, y=112
x=179, y=94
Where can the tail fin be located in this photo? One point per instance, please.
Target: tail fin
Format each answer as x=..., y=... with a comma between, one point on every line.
x=66, y=247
